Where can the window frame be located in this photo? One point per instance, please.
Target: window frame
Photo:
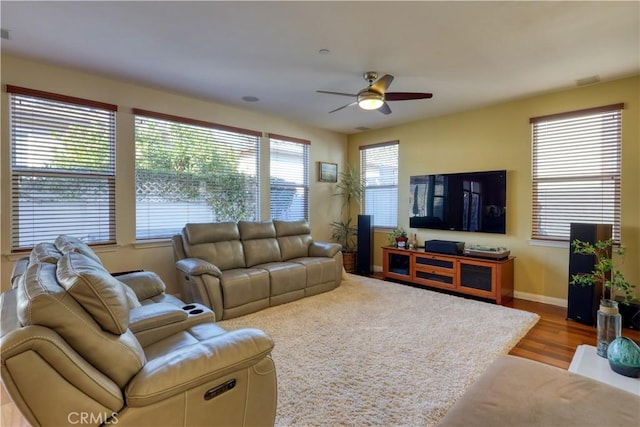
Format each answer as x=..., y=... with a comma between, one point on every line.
x=393, y=209
x=608, y=178
x=303, y=185
x=200, y=126
x=83, y=171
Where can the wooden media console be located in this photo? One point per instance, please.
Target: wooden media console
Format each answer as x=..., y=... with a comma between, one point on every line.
x=480, y=277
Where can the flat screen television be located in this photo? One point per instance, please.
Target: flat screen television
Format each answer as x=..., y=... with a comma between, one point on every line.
x=471, y=201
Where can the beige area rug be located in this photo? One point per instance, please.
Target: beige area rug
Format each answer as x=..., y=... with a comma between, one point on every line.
x=378, y=353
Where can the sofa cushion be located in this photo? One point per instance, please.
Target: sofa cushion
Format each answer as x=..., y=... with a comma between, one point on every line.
x=45, y=252
x=319, y=269
x=245, y=285
x=259, y=242
x=42, y=301
x=291, y=228
x=211, y=232
x=216, y=243
x=520, y=392
x=286, y=277
x=65, y=244
x=102, y=295
x=294, y=238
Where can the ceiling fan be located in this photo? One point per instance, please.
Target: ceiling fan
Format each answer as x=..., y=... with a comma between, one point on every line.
x=375, y=96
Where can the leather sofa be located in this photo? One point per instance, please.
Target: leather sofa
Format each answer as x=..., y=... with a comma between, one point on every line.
x=239, y=268
x=79, y=346
x=514, y=391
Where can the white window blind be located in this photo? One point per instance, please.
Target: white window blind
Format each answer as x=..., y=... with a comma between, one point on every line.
x=576, y=171
x=379, y=173
x=192, y=171
x=289, y=182
x=62, y=168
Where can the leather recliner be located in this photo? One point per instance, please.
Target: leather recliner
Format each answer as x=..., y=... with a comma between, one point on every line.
x=76, y=348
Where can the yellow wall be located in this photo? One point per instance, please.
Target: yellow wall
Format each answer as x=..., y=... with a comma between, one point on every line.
x=127, y=255
x=499, y=137
x=495, y=137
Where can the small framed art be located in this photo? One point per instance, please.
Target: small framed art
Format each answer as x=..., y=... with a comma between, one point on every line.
x=327, y=172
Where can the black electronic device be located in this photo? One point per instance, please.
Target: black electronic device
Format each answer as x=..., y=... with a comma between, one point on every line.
x=364, y=257
x=473, y=201
x=583, y=301
x=630, y=313
x=444, y=247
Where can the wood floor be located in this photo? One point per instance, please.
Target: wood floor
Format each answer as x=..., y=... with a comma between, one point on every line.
x=553, y=340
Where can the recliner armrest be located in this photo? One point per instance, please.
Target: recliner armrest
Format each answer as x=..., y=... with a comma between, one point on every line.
x=324, y=249
x=198, y=267
x=145, y=284
x=152, y=316
x=191, y=366
x=154, y=322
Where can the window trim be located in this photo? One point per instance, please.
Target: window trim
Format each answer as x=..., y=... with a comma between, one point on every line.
x=111, y=109
x=362, y=148
x=142, y=113
x=611, y=108
x=307, y=183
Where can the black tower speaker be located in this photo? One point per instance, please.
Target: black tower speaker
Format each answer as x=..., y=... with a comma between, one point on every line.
x=584, y=301
x=364, y=258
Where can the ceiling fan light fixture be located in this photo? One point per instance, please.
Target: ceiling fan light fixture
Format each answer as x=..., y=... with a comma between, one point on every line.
x=370, y=100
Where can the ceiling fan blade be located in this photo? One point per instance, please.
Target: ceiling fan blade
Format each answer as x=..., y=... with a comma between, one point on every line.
x=406, y=96
x=382, y=83
x=344, y=106
x=336, y=93
x=385, y=109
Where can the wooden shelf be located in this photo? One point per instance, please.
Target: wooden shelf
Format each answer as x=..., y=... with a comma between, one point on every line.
x=484, y=278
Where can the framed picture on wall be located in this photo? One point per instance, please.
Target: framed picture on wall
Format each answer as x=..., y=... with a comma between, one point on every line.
x=327, y=172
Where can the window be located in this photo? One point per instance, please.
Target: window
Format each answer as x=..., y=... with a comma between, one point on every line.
x=62, y=168
x=576, y=171
x=192, y=171
x=379, y=173
x=289, y=164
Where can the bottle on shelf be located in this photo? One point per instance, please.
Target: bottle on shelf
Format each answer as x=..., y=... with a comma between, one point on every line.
x=413, y=242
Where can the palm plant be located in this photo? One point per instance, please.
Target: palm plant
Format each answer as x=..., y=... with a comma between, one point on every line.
x=350, y=187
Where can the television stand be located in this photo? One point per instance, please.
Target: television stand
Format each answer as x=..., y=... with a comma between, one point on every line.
x=484, y=278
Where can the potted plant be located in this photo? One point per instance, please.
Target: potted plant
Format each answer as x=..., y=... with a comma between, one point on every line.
x=398, y=237
x=350, y=188
x=612, y=282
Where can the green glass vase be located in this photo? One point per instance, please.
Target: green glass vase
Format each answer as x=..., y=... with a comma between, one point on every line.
x=624, y=357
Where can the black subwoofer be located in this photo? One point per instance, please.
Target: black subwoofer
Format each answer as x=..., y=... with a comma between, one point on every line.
x=364, y=258
x=583, y=302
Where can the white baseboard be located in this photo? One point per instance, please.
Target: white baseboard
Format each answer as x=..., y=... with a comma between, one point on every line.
x=377, y=269
x=560, y=302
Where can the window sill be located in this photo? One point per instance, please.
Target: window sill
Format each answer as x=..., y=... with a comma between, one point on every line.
x=152, y=243
x=549, y=243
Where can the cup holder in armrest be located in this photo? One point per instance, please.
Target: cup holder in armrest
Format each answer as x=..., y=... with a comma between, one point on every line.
x=195, y=309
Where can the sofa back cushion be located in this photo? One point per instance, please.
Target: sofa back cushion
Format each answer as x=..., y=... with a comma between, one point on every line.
x=42, y=301
x=45, y=252
x=65, y=244
x=294, y=238
x=217, y=243
x=259, y=242
x=102, y=295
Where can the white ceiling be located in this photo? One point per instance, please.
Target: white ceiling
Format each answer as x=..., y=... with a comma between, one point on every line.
x=468, y=54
